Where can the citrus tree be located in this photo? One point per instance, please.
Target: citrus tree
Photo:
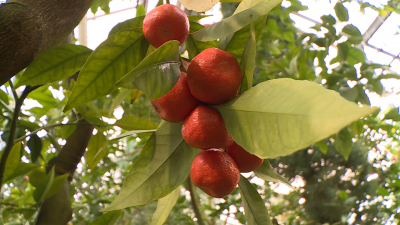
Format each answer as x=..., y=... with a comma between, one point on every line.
x=65, y=105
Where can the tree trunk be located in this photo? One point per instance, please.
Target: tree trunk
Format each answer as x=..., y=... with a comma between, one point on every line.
x=30, y=27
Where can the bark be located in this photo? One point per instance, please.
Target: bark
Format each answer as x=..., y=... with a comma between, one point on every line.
x=30, y=27
x=56, y=210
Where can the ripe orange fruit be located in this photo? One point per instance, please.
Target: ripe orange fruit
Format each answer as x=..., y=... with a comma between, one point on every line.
x=165, y=23
x=177, y=104
x=246, y=161
x=204, y=128
x=215, y=172
x=214, y=76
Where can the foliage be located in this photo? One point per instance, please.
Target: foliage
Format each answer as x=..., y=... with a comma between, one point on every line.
x=283, y=106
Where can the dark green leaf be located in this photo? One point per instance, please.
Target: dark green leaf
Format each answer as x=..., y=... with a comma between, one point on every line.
x=393, y=114
x=254, y=207
x=355, y=56
x=114, y=58
x=341, y=12
x=349, y=93
x=156, y=167
x=57, y=185
x=55, y=64
x=43, y=186
x=122, y=95
x=282, y=116
x=343, y=50
x=157, y=74
x=343, y=142
x=140, y=10
x=35, y=145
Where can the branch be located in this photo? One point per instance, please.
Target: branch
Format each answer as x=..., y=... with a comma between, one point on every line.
x=30, y=27
x=194, y=202
x=13, y=128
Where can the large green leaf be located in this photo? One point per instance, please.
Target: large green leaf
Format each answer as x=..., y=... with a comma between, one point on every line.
x=157, y=74
x=235, y=22
x=135, y=123
x=114, y=58
x=254, y=207
x=55, y=64
x=266, y=172
x=278, y=117
x=164, y=206
x=341, y=12
x=107, y=218
x=198, y=6
x=162, y=166
x=12, y=161
x=248, y=61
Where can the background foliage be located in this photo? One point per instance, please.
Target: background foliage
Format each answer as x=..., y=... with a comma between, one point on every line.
x=331, y=178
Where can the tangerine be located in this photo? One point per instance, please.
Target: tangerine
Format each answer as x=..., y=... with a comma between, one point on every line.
x=177, y=104
x=246, y=161
x=214, y=76
x=204, y=128
x=215, y=173
x=165, y=23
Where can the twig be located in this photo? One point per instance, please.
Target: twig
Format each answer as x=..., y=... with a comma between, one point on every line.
x=43, y=128
x=194, y=204
x=13, y=90
x=13, y=128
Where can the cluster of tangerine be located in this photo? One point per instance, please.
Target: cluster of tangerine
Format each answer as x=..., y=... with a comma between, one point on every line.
x=213, y=77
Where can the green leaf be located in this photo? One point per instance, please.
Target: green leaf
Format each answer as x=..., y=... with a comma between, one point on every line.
x=343, y=143
x=104, y=149
x=122, y=95
x=114, y=58
x=57, y=185
x=235, y=22
x=36, y=176
x=321, y=145
x=55, y=64
x=135, y=93
x=135, y=123
x=238, y=41
x=154, y=173
x=35, y=145
x=355, y=56
x=164, y=207
x=198, y=6
x=254, y=207
x=343, y=50
x=393, y=114
x=43, y=186
x=107, y=219
x=95, y=144
x=343, y=195
x=140, y=10
x=282, y=116
x=355, y=36
x=22, y=169
x=157, y=74
x=349, y=93
x=12, y=161
x=103, y=4
x=266, y=172
x=341, y=12
x=248, y=61
x=127, y=24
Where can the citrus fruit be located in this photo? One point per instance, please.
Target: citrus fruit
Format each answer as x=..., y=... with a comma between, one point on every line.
x=204, y=128
x=165, y=23
x=215, y=172
x=246, y=161
x=177, y=104
x=214, y=76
